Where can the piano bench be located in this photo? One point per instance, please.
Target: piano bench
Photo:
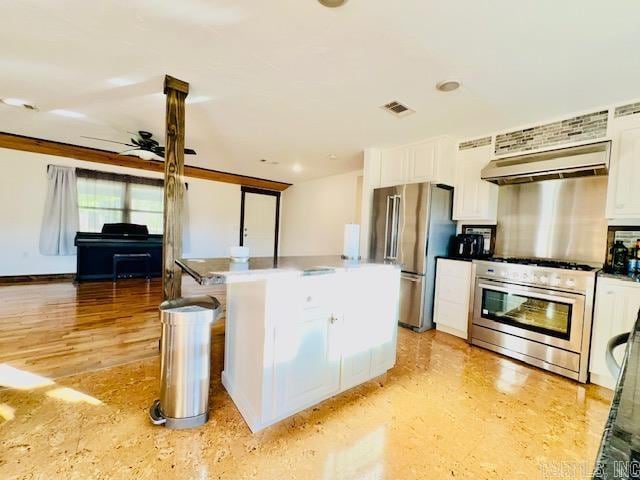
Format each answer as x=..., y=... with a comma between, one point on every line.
x=131, y=257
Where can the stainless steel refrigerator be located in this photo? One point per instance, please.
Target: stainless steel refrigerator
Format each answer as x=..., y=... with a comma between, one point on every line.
x=412, y=224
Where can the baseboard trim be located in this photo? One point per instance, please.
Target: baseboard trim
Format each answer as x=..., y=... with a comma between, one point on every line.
x=46, y=278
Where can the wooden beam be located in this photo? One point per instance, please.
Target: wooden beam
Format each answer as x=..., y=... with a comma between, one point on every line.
x=95, y=155
x=176, y=92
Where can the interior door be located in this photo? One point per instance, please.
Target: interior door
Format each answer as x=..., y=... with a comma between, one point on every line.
x=259, y=222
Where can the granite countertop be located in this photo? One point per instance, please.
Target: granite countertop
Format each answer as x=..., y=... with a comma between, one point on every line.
x=210, y=271
x=619, y=455
x=620, y=276
x=451, y=257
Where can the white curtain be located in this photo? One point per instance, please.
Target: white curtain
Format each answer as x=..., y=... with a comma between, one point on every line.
x=60, y=221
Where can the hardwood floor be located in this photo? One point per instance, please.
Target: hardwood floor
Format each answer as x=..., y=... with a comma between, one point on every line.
x=58, y=329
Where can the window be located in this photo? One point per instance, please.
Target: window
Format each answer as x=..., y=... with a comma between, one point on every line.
x=112, y=198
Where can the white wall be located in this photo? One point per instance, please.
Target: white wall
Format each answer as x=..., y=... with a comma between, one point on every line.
x=314, y=214
x=214, y=213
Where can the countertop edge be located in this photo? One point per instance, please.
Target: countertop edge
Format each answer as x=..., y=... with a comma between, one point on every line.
x=608, y=453
x=307, y=267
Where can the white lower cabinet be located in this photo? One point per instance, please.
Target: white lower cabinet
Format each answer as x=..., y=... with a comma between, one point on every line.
x=310, y=367
x=453, y=296
x=616, y=310
x=292, y=342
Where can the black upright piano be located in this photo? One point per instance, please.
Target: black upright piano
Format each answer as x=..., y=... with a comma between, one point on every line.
x=96, y=251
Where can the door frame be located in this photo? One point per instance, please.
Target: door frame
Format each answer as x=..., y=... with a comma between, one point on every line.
x=260, y=191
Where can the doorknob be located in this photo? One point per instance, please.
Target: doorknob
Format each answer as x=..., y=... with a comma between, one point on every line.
x=333, y=319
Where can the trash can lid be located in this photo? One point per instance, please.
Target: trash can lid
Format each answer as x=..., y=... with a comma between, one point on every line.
x=202, y=301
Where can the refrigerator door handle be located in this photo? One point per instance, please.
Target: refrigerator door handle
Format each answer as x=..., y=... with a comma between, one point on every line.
x=386, y=231
x=393, y=227
x=395, y=235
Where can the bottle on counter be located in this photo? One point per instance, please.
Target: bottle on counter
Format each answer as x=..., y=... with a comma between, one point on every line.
x=632, y=263
x=619, y=254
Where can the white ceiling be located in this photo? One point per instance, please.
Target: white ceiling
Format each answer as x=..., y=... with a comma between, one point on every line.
x=294, y=82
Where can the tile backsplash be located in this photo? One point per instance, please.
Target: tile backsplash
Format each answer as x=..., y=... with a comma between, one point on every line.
x=478, y=142
x=582, y=127
x=630, y=109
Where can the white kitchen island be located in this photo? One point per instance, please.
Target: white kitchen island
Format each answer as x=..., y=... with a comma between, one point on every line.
x=303, y=330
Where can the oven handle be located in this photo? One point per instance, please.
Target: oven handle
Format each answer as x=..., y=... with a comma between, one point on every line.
x=531, y=293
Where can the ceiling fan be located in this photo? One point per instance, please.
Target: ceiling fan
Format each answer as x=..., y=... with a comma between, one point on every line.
x=144, y=147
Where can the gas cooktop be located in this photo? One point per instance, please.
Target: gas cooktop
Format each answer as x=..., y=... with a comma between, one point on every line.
x=543, y=262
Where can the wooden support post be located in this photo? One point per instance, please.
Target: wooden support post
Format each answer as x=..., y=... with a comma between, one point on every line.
x=176, y=92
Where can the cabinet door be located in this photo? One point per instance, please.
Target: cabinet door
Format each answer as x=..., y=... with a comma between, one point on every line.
x=474, y=198
x=453, y=288
x=623, y=199
x=615, y=312
x=445, y=167
x=393, y=166
x=308, y=364
x=422, y=162
x=370, y=324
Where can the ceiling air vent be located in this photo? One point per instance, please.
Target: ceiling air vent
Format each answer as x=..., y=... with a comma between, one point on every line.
x=398, y=109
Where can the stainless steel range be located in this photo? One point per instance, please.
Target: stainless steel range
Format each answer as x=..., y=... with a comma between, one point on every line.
x=537, y=311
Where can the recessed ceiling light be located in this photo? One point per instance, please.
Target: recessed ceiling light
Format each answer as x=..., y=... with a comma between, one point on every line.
x=68, y=113
x=17, y=102
x=332, y=3
x=448, y=85
x=296, y=167
x=333, y=156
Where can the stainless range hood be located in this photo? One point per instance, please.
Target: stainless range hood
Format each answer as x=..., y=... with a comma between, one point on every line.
x=582, y=161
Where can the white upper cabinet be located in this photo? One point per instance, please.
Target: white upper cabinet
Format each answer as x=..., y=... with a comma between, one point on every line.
x=421, y=162
x=393, y=166
x=623, y=200
x=429, y=161
x=474, y=198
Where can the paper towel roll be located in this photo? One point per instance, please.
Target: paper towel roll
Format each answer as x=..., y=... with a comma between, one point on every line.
x=351, y=248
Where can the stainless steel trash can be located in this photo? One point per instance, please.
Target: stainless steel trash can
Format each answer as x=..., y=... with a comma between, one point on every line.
x=185, y=351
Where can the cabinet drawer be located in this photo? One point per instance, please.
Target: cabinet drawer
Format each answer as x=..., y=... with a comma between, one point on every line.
x=453, y=315
x=315, y=291
x=454, y=268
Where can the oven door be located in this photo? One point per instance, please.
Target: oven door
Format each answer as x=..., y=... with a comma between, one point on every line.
x=545, y=316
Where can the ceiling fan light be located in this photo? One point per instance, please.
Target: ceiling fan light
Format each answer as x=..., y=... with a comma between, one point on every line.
x=143, y=154
x=332, y=3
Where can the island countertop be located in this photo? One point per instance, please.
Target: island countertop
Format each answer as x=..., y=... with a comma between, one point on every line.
x=619, y=456
x=211, y=271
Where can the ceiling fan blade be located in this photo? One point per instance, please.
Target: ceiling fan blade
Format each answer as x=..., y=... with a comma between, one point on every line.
x=105, y=140
x=187, y=151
